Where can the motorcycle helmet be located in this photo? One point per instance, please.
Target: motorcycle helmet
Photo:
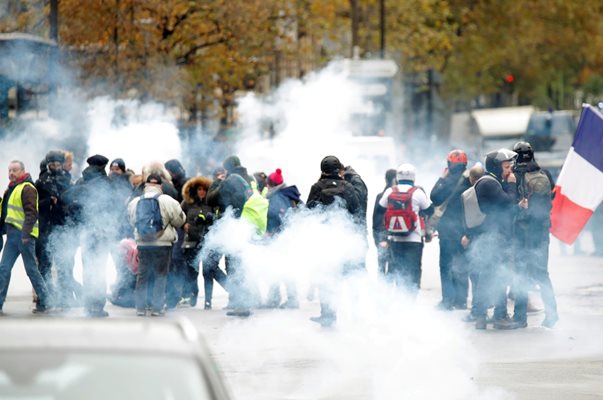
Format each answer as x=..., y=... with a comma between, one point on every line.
x=406, y=172
x=524, y=151
x=495, y=158
x=457, y=161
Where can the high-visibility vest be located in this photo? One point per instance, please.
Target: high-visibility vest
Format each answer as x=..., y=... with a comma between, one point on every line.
x=15, y=215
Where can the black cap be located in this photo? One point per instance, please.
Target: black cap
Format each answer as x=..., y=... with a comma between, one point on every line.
x=120, y=163
x=55, y=155
x=154, y=178
x=98, y=160
x=231, y=163
x=330, y=165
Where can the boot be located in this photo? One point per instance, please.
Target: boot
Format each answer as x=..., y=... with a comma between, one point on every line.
x=480, y=323
x=506, y=324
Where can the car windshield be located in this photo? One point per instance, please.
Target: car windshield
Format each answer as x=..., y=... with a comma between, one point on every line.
x=91, y=376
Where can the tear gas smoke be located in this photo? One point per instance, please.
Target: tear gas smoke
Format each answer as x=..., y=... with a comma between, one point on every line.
x=386, y=344
x=137, y=133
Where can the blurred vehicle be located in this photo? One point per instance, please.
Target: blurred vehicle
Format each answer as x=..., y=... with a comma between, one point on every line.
x=551, y=135
x=110, y=359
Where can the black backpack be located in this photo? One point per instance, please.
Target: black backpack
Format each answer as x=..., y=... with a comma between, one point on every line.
x=330, y=190
x=148, y=218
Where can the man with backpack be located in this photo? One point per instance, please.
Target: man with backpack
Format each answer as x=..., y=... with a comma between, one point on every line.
x=446, y=197
x=333, y=190
x=155, y=217
x=402, y=236
x=494, y=207
x=531, y=235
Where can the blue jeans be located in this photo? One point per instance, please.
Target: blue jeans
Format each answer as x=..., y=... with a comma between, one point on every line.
x=153, y=261
x=12, y=249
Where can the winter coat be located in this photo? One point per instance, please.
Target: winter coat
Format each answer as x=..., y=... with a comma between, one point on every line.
x=451, y=187
x=379, y=233
x=51, y=184
x=281, y=198
x=122, y=192
x=230, y=192
x=497, y=200
x=199, y=215
x=178, y=175
x=172, y=217
x=29, y=200
x=361, y=190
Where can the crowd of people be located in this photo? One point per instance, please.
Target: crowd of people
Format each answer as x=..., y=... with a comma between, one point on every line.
x=154, y=225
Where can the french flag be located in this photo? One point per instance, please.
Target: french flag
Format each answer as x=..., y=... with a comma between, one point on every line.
x=579, y=189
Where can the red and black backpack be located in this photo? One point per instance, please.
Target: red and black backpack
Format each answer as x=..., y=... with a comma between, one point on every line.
x=400, y=219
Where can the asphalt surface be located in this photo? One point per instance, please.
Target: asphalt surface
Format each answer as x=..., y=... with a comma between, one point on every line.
x=408, y=352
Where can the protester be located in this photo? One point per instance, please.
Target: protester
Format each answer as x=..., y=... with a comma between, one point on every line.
x=446, y=198
x=403, y=203
x=154, y=217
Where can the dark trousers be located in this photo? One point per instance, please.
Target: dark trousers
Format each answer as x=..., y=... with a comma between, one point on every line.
x=12, y=249
x=153, y=261
x=211, y=271
x=453, y=272
x=491, y=260
x=405, y=264
x=44, y=255
x=532, y=268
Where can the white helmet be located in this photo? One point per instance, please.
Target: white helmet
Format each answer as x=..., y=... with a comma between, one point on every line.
x=406, y=172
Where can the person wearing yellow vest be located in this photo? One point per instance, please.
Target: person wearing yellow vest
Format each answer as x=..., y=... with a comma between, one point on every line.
x=19, y=221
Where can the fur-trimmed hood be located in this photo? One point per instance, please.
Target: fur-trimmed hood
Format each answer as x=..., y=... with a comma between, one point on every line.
x=187, y=190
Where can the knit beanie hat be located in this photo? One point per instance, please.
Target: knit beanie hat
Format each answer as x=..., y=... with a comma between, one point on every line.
x=275, y=178
x=119, y=163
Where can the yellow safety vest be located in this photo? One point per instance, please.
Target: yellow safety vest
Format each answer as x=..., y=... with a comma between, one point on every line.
x=15, y=215
x=255, y=211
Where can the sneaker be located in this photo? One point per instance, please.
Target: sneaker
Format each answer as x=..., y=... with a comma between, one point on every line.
x=184, y=302
x=97, y=313
x=193, y=301
x=207, y=305
x=506, y=324
x=239, y=312
x=159, y=313
x=141, y=313
x=521, y=323
x=480, y=323
x=550, y=321
x=444, y=306
x=38, y=309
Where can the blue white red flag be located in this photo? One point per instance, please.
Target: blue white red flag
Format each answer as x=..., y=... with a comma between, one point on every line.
x=579, y=189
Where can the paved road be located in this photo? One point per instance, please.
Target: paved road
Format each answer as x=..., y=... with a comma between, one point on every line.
x=387, y=346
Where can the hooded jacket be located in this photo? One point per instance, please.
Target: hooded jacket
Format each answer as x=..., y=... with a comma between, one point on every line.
x=281, y=198
x=172, y=217
x=199, y=215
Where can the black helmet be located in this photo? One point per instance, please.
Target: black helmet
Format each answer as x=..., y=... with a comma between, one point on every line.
x=524, y=151
x=495, y=158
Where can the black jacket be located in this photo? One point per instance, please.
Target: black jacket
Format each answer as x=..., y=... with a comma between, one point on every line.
x=452, y=186
x=230, y=192
x=497, y=200
x=51, y=184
